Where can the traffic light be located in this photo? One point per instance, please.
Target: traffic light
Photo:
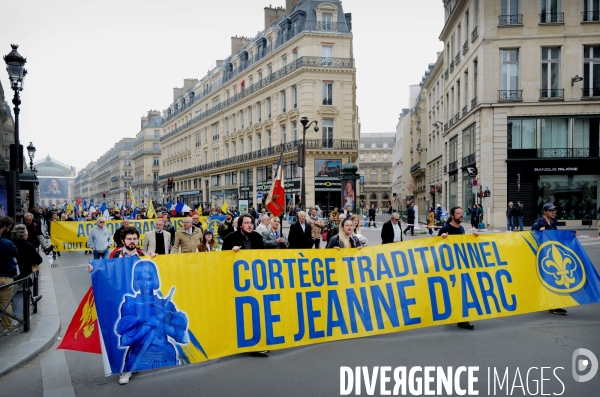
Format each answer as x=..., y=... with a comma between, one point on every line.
x=142, y=201
x=103, y=194
x=170, y=183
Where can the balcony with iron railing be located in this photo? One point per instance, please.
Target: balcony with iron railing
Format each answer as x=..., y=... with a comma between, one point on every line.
x=592, y=152
x=510, y=20
x=446, y=73
x=445, y=127
x=590, y=93
x=468, y=160
x=457, y=59
x=452, y=66
x=415, y=168
x=453, y=166
x=327, y=26
x=318, y=62
x=474, y=34
x=465, y=110
x=556, y=17
x=456, y=118
x=590, y=16
x=510, y=95
x=473, y=103
x=465, y=47
x=311, y=144
x=451, y=122
x=554, y=94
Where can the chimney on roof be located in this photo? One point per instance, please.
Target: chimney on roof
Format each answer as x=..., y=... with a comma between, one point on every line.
x=271, y=15
x=237, y=43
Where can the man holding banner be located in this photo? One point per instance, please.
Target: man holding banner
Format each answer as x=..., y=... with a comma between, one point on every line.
x=454, y=227
x=548, y=222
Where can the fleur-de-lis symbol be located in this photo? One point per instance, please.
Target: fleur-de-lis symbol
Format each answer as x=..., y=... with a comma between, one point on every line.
x=559, y=266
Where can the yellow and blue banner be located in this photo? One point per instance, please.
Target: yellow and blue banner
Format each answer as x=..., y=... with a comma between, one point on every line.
x=188, y=308
x=73, y=236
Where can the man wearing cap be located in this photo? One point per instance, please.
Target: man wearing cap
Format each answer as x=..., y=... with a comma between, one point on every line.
x=548, y=222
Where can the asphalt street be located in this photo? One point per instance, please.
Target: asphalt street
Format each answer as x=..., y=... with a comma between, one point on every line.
x=510, y=345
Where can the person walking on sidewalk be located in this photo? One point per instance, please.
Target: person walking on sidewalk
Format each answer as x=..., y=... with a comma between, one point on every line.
x=453, y=226
x=372, y=213
x=510, y=213
x=410, y=218
x=430, y=220
x=99, y=240
x=520, y=212
x=548, y=222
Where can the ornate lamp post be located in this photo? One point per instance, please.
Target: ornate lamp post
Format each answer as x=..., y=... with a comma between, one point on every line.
x=15, y=66
x=31, y=152
x=302, y=157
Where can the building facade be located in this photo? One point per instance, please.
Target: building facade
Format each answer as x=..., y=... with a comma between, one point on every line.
x=224, y=133
x=108, y=179
x=375, y=170
x=56, y=181
x=146, y=160
x=516, y=108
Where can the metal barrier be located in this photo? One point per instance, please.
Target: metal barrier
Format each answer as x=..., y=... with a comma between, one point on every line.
x=30, y=298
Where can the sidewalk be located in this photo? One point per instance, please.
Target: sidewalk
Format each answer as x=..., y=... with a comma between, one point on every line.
x=19, y=348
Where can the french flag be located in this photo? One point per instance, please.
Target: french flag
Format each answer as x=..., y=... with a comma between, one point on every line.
x=275, y=202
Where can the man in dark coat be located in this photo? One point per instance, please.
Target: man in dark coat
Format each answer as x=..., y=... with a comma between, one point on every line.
x=391, y=232
x=300, y=235
x=372, y=213
x=410, y=218
x=244, y=237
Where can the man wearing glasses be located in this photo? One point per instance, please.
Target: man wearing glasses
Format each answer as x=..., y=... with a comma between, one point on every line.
x=548, y=222
x=99, y=240
x=391, y=232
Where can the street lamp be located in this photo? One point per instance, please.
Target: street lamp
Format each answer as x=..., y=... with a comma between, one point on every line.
x=302, y=156
x=15, y=66
x=31, y=152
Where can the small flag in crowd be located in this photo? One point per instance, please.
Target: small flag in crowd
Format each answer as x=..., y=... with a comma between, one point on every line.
x=133, y=203
x=150, y=213
x=83, y=333
x=225, y=207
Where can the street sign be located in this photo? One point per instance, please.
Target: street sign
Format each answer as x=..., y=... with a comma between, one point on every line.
x=474, y=190
x=259, y=195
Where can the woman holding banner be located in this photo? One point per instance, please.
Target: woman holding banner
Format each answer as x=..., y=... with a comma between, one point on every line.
x=346, y=237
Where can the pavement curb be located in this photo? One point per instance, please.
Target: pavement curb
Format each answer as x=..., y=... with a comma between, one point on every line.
x=43, y=332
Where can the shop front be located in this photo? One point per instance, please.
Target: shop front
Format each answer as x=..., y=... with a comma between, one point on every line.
x=328, y=193
x=571, y=184
x=262, y=191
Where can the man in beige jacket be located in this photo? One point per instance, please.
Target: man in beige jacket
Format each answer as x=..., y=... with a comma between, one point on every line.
x=187, y=238
x=160, y=236
x=316, y=226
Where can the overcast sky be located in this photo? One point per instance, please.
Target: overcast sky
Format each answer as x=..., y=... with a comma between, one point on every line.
x=96, y=66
